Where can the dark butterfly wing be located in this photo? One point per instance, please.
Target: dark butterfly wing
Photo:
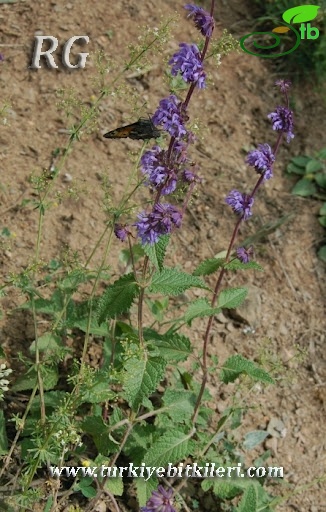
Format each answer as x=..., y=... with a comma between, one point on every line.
x=143, y=129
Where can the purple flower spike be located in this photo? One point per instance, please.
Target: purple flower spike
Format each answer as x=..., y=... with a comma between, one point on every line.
x=244, y=254
x=262, y=160
x=154, y=164
x=188, y=62
x=282, y=121
x=284, y=85
x=171, y=116
x=203, y=21
x=241, y=204
x=121, y=232
x=159, y=222
x=160, y=501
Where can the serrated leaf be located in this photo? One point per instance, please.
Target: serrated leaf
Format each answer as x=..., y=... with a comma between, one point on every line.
x=145, y=488
x=238, y=265
x=96, y=392
x=314, y=166
x=171, y=447
x=200, y=308
x=232, y=297
x=114, y=485
x=254, y=438
x=248, y=501
x=173, y=282
x=172, y=347
x=180, y=404
x=156, y=252
x=226, y=490
x=236, y=365
x=117, y=298
x=50, y=378
x=99, y=431
x=93, y=328
x=142, y=378
x=48, y=342
x=208, y=266
x=304, y=188
x=300, y=14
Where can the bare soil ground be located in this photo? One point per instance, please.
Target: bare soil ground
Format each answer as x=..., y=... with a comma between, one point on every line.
x=286, y=306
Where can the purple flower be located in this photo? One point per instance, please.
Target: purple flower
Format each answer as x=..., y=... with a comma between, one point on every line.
x=244, y=254
x=2, y=57
x=188, y=62
x=190, y=177
x=203, y=21
x=155, y=165
x=121, y=232
x=171, y=116
x=262, y=160
x=282, y=121
x=284, y=85
x=241, y=204
x=158, y=222
x=160, y=501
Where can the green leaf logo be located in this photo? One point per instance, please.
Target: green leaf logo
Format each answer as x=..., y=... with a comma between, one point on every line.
x=301, y=14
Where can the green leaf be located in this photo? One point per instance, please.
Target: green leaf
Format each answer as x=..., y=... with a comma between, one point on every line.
x=50, y=379
x=254, y=438
x=171, y=447
x=156, y=252
x=322, y=221
x=295, y=169
x=200, y=308
x=114, y=485
x=93, y=328
x=173, y=282
x=86, y=489
x=99, y=431
x=314, y=166
x=226, y=490
x=232, y=297
x=320, y=179
x=180, y=404
x=236, y=365
x=248, y=502
x=322, y=253
x=48, y=342
x=322, y=154
x=208, y=266
x=117, y=298
x=238, y=265
x=98, y=391
x=142, y=378
x=300, y=14
x=172, y=347
x=71, y=282
x=304, y=188
x=145, y=488
x=301, y=161
x=3, y=434
x=322, y=210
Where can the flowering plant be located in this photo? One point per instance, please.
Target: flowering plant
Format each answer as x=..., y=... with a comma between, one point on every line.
x=122, y=406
